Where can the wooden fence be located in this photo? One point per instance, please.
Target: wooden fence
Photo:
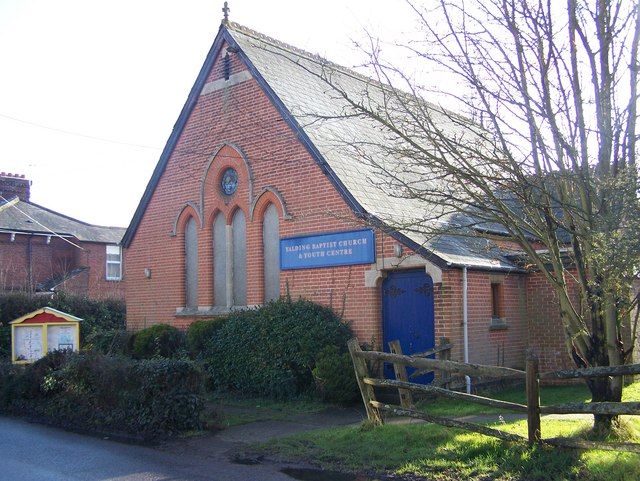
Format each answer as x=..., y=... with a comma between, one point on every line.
x=530, y=376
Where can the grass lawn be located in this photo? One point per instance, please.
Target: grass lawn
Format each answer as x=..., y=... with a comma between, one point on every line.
x=439, y=453
x=231, y=410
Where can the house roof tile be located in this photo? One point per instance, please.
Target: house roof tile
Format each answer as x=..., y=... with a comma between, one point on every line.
x=19, y=216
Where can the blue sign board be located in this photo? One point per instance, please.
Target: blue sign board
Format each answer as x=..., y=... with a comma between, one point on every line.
x=327, y=250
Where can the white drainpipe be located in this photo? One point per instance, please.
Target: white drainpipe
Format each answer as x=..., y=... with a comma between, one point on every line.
x=465, y=323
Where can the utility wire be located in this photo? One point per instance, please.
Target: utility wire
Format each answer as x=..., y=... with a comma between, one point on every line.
x=77, y=134
x=40, y=224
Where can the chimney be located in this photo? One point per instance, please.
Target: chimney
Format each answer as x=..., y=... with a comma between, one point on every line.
x=14, y=185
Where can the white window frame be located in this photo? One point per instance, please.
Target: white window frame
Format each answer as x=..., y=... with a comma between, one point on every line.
x=113, y=250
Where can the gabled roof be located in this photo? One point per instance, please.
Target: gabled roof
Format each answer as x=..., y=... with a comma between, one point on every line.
x=294, y=82
x=23, y=217
x=46, y=315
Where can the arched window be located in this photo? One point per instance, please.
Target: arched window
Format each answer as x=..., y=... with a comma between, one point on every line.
x=219, y=261
x=239, y=228
x=271, y=244
x=191, y=263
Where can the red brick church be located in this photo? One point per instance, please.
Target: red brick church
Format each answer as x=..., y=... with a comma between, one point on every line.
x=250, y=201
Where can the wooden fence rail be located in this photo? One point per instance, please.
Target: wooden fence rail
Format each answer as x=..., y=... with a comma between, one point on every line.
x=531, y=376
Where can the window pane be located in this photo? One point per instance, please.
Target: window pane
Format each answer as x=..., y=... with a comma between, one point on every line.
x=239, y=259
x=271, y=242
x=114, y=263
x=191, y=263
x=219, y=261
x=113, y=271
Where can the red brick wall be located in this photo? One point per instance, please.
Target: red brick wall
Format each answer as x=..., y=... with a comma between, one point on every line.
x=52, y=259
x=47, y=260
x=487, y=345
x=546, y=334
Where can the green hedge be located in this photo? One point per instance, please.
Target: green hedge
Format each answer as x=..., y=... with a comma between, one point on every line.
x=99, y=316
x=272, y=351
x=89, y=391
x=159, y=340
x=334, y=376
x=199, y=335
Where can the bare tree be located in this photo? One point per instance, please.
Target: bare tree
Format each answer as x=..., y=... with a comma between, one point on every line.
x=549, y=161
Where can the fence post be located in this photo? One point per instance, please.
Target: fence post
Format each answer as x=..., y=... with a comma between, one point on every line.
x=533, y=401
x=406, y=398
x=367, y=392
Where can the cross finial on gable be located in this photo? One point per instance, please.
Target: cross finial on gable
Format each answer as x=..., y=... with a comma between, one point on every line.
x=226, y=11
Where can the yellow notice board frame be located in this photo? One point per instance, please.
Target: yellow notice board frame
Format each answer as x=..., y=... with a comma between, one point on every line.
x=42, y=331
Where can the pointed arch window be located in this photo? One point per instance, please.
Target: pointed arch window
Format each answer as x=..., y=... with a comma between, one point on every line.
x=220, y=261
x=239, y=235
x=191, y=263
x=271, y=245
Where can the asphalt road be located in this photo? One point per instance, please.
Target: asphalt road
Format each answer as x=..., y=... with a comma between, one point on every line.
x=32, y=452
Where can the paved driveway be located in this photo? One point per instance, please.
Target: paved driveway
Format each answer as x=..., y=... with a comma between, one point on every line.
x=32, y=452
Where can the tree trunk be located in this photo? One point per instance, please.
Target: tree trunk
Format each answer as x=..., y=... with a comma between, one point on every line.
x=603, y=389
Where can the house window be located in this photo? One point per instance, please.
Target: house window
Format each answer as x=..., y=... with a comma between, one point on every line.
x=271, y=244
x=114, y=263
x=496, y=300
x=191, y=263
x=220, y=261
x=497, y=304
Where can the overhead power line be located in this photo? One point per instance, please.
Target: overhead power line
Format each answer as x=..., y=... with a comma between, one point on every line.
x=53, y=233
x=77, y=134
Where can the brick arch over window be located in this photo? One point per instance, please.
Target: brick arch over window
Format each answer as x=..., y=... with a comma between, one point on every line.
x=190, y=209
x=228, y=155
x=268, y=195
x=268, y=208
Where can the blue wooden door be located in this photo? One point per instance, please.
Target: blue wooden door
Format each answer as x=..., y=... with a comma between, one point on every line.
x=408, y=314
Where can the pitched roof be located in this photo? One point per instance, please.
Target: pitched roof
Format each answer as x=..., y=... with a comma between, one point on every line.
x=295, y=82
x=23, y=217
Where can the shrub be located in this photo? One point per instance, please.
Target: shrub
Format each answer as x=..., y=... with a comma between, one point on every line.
x=334, y=376
x=271, y=351
x=111, y=342
x=145, y=399
x=159, y=340
x=5, y=341
x=200, y=333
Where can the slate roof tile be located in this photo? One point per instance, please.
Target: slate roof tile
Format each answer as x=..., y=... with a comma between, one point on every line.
x=297, y=78
x=21, y=216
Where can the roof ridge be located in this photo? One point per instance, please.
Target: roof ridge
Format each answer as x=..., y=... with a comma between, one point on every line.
x=314, y=57
x=317, y=58
x=274, y=41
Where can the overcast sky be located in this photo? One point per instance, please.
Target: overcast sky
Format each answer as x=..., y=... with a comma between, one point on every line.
x=90, y=89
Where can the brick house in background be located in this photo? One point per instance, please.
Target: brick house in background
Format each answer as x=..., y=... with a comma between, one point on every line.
x=252, y=199
x=42, y=251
